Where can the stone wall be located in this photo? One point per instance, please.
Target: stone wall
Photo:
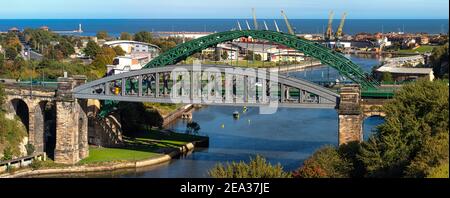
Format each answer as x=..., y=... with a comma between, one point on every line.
x=350, y=115
x=105, y=132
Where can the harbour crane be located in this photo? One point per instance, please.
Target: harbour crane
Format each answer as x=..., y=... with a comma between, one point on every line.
x=338, y=35
x=265, y=25
x=276, y=25
x=255, y=22
x=239, y=26
x=341, y=26
x=329, y=33
x=291, y=31
x=248, y=25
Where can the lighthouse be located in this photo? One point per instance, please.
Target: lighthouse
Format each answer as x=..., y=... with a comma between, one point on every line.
x=80, y=30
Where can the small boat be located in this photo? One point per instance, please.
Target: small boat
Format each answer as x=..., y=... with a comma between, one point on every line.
x=236, y=114
x=244, y=110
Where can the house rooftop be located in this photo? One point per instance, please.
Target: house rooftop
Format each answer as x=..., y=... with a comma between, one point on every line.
x=405, y=70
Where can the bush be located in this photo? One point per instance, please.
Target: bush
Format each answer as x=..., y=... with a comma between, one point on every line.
x=325, y=163
x=410, y=142
x=30, y=149
x=439, y=172
x=256, y=168
x=7, y=154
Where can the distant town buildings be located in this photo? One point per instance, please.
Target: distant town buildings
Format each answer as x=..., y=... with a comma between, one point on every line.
x=134, y=47
x=124, y=64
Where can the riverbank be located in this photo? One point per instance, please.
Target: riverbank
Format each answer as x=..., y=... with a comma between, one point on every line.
x=298, y=67
x=167, y=151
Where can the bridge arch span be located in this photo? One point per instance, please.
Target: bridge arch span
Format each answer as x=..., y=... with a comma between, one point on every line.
x=20, y=108
x=288, y=92
x=329, y=57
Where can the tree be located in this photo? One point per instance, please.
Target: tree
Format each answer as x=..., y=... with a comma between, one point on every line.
x=433, y=154
x=146, y=37
x=256, y=168
x=439, y=61
x=414, y=118
x=125, y=36
x=11, y=53
x=325, y=163
x=66, y=48
x=387, y=77
x=193, y=127
x=225, y=55
x=2, y=97
x=102, y=35
x=92, y=49
x=119, y=51
x=165, y=45
x=103, y=58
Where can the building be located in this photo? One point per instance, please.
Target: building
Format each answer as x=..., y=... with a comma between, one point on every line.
x=384, y=42
x=45, y=28
x=424, y=40
x=347, y=45
x=124, y=64
x=14, y=30
x=400, y=74
x=135, y=47
x=406, y=68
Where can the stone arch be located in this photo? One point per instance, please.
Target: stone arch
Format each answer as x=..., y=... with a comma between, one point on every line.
x=20, y=108
x=45, y=127
x=370, y=122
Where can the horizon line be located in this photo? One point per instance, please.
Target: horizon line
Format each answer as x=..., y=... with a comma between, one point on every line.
x=220, y=19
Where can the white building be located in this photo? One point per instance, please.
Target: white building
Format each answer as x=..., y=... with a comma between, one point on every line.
x=343, y=44
x=135, y=47
x=384, y=42
x=124, y=64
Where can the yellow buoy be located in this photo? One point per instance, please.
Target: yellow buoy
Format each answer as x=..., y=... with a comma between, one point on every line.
x=223, y=126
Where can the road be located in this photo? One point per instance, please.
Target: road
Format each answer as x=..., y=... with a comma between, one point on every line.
x=27, y=49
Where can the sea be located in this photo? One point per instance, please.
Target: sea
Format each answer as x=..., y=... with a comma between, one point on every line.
x=302, y=26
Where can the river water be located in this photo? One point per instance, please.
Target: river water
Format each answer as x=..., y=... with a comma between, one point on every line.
x=287, y=137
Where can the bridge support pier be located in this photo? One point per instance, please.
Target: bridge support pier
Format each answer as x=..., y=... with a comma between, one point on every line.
x=350, y=115
x=71, y=123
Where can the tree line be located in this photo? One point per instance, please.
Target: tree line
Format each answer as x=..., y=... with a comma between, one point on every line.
x=413, y=142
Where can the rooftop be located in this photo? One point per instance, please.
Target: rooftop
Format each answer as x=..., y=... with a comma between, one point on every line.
x=405, y=70
x=129, y=42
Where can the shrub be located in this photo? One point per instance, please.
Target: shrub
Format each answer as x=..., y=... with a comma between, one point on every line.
x=410, y=142
x=30, y=148
x=256, y=168
x=7, y=154
x=325, y=163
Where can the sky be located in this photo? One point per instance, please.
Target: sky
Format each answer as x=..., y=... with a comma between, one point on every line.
x=194, y=9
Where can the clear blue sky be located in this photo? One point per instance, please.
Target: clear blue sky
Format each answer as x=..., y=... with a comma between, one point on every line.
x=302, y=9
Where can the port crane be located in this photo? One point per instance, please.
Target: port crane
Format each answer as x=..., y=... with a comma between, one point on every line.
x=329, y=33
x=339, y=33
x=286, y=20
x=255, y=22
x=276, y=25
x=341, y=27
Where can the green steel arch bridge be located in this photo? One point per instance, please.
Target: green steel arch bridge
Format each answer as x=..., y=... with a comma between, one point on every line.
x=145, y=86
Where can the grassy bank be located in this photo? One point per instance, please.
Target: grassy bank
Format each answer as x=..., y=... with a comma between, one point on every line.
x=140, y=146
x=421, y=49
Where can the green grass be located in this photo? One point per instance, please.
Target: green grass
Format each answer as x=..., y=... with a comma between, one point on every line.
x=421, y=49
x=98, y=155
x=143, y=145
x=163, y=109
